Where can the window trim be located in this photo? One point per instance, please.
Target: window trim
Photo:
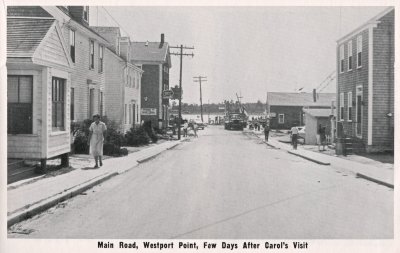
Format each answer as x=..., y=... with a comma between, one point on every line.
x=101, y=59
x=350, y=56
x=341, y=106
x=349, y=106
x=72, y=105
x=91, y=54
x=341, y=58
x=279, y=118
x=31, y=102
x=61, y=86
x=359, y=51
x=72, y=48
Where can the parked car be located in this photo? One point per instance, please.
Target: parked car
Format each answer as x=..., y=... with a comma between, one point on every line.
x=200, y=124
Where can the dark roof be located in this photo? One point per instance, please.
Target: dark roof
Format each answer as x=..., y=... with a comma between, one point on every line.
x=27, y=11
x=154, y=51
x=318, y=113
x=24, y=35
x=299, y=99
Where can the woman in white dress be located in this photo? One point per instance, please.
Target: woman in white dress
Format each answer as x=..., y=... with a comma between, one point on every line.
x=96, y=139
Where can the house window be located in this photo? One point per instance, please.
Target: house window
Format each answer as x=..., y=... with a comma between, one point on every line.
x=91, y=102
x=101, y=57
x=359, y=51
x=350, y=55
x=19, y=104
x=341, y=102
x=86, y=13
x=349, y=105
x=72, y=44
x=91, y=56
x=72, y=103
x=58, y=103
x=130, y=114
x=137, y=113
x=101, y=104
x=133, y=113
x=281, y=118
x=341, y=51
x=125, y=116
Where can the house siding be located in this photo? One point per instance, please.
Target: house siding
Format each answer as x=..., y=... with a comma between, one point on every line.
x=382, y=86
x=293, y=116
x=82, y=73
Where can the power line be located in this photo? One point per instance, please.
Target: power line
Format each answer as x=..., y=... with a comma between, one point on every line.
x=119, y=25
x=198, y=79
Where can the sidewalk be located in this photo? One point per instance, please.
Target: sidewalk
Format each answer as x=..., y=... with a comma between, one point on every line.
x=26, y=199
x=382, y=173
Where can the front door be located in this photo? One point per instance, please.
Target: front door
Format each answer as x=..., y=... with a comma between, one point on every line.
x=359, y=116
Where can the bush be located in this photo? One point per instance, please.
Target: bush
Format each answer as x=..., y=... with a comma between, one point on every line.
x=113, y=139
x=137, y=136
x=150, y=131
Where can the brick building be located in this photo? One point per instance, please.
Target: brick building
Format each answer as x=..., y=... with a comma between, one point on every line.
x=285, y=109
x=365, y=84
x=155, y=61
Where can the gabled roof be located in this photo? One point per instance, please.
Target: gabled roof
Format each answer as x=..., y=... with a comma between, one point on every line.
x=374, y=20
x=149, y=52
x=299, y=99
x=24, y=35
x=318, y=113
x=27, y=11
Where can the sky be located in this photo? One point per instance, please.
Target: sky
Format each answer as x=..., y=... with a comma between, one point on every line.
x=240, y=49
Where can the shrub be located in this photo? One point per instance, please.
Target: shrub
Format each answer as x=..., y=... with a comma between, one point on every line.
x=150, y=131
x=137, y=136
x=113, y=139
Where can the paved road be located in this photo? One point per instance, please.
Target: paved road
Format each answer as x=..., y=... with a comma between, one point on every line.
x=225, y=184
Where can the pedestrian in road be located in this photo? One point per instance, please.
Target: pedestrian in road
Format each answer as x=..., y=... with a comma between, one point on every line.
x=96, y=139
x=185, y=129
x=322, y=137
x=195, y=127
x=266, y=131
x=294, y=131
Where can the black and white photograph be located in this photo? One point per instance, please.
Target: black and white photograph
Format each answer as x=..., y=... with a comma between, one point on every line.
x=159, y=126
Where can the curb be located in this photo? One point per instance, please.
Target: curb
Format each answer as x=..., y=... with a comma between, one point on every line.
x=374, y=180
x=54, y=200
x=308, y=158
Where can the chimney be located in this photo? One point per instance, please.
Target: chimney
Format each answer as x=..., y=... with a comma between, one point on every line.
x=314, y=93
x=162, y=41
x=124, y=47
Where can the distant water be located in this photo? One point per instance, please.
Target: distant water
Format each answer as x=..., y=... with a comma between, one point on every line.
x=207, y=118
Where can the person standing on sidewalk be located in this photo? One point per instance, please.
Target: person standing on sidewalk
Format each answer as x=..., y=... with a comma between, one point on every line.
x=294, y=131
x=195, y=127
x=322, y=134
x=266, y=131
x=185, y=129
x=96, y=139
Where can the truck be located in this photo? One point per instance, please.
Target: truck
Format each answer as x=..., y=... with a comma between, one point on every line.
x=235, y=116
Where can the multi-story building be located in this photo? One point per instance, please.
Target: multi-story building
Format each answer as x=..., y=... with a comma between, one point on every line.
x=365, y=84
x=123, y=80
x=55, y=65
x=154, y=59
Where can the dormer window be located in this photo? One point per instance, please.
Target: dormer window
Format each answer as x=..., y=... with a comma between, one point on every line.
x=86, y=13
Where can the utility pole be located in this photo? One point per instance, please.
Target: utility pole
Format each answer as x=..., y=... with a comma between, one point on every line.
x=198, y=79
x=181, y=47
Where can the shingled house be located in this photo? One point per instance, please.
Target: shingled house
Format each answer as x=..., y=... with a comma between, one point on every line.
x=154, y=59
x=285, y=109
x=365, y=84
